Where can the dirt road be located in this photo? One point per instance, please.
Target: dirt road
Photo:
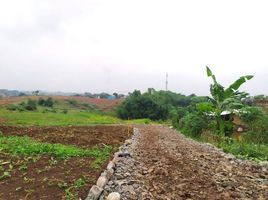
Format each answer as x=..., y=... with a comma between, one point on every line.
x=164, y=165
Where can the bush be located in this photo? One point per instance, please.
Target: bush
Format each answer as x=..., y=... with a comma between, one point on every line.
x=65, y=111
x=41, y=101
x=193, y=124
x=176, y=114
x=49, y=102
x=15, y=107
x=251, y=114
x=31, y=105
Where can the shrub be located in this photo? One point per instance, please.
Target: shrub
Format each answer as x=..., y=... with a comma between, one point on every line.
x=41, y=101
x=176, y=114
x=65, y=111
x=15, y=107
x=31, y=105
x=251, y=114
x=49, y=102
x=193, y=124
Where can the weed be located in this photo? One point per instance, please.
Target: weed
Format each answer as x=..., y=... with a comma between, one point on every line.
x=6, y=174
x=27, y=146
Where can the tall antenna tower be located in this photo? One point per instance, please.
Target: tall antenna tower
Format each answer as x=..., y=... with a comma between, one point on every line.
x=166, y=81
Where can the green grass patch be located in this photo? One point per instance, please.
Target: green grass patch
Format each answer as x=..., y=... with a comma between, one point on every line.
x=257, y=152
x=38, y=118
x=73, y=117
x=240, y=149
x=27, y=146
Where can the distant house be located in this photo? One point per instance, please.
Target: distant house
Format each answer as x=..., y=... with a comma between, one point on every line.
x=239, y=125
x=111, y=97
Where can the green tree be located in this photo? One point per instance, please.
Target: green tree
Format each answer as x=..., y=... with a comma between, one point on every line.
x=138, y=106
x=225, y=99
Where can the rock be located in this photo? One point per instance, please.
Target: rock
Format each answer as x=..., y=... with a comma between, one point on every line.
x=111, y=165
x=94, y=193
x=124, y=154
x=151, y=169
x=109, y=173
x=128, y=142
x=113, y=196
x=102, y=181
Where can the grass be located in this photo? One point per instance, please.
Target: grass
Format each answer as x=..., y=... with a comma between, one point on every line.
x=257, y=152
x=73, y=117
x=27, y=146
x=240, y=149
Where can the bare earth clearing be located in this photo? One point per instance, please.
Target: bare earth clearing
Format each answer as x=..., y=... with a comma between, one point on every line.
x=164, y=165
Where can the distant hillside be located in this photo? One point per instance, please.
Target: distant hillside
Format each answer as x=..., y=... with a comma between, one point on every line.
x=102, y=104
x=16, y=93
x=9, y=93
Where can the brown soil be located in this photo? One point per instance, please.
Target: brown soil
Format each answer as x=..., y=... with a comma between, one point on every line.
x=179, y=168
x=81, y=136
x=45, y=177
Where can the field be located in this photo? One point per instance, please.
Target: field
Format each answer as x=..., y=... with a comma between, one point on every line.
x=78, y=111
x=103, y=104
x=55, y=162
x=56, y=152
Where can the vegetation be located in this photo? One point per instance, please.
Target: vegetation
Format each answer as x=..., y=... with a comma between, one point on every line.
x=46, y=102
x=27, y=146
x=204, y=122
x=40, y=118
x=48, y=112
x=225, y=99
x=156, y=105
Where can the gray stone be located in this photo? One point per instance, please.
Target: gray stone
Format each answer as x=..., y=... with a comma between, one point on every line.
x=111, y=165
x=94, y=193
x=109, y=173
x=102, y=181
x=114, y=196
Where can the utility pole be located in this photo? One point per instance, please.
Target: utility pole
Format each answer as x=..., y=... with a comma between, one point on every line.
x=166, y=81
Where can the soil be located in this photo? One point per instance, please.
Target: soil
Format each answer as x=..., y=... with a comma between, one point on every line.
x=46, y=177
x=81, y=136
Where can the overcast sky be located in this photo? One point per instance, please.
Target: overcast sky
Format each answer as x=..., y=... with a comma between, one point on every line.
x=119, y=46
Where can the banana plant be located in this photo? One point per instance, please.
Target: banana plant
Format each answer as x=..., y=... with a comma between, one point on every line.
x=225, y=99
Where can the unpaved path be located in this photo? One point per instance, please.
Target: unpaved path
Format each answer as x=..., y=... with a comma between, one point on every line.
x=166, y=165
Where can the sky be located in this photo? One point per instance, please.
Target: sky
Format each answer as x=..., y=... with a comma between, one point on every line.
x=122, y=45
